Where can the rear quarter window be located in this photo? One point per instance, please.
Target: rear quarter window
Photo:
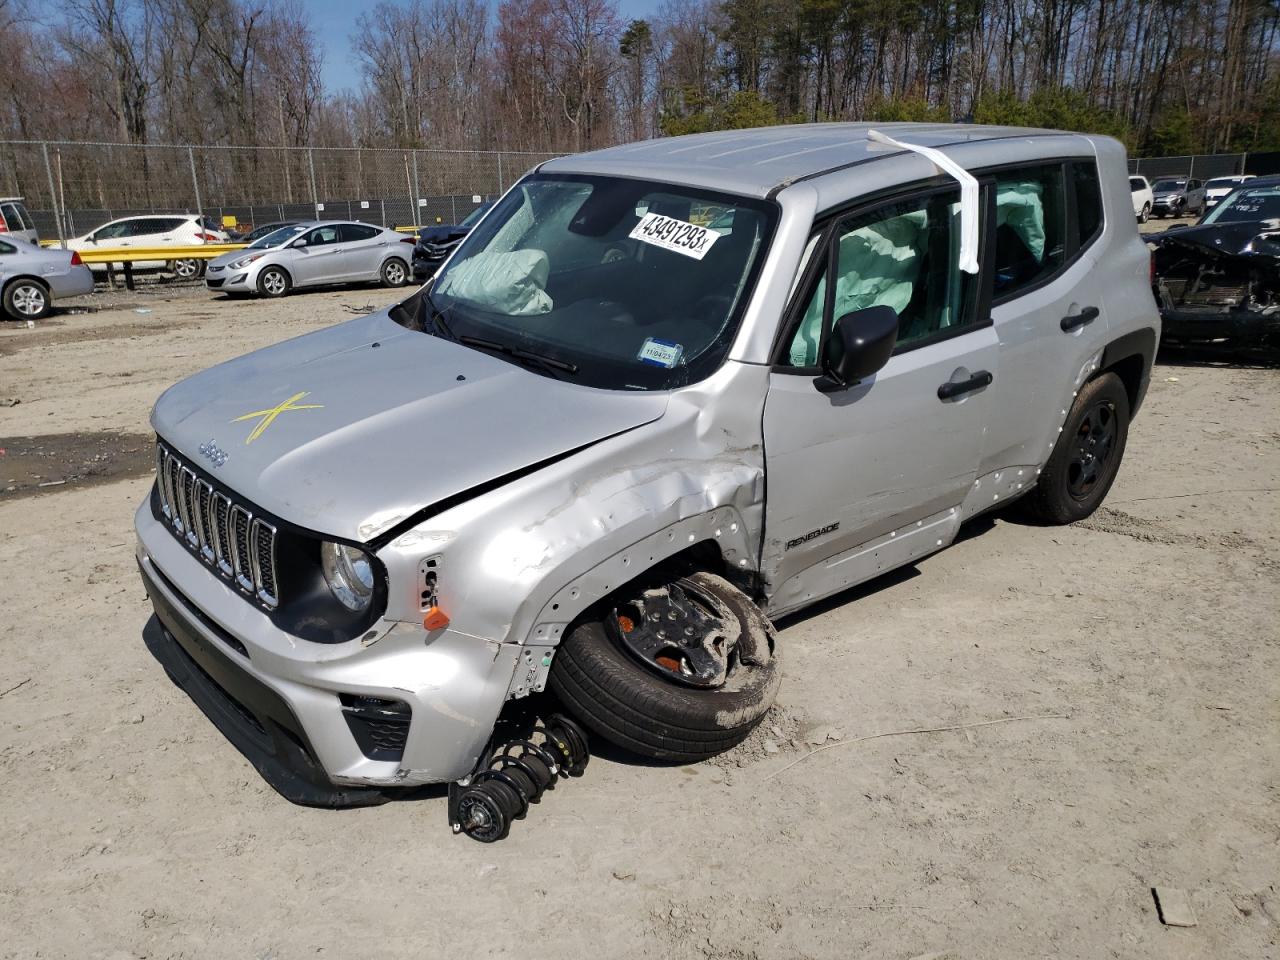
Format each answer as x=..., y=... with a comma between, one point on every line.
x=354, y=231
x=1088, y=199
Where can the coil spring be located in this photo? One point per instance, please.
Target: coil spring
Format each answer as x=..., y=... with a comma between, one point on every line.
x=517, y=774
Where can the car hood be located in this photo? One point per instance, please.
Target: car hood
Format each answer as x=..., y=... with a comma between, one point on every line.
x=1233, y=238
x=373, y=422
x=231, y=256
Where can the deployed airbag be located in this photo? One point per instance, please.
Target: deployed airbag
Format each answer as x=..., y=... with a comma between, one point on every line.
x=511, y=283
x=1020, y=206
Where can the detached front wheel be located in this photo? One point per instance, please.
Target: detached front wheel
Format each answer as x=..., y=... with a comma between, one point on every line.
x=678, y=671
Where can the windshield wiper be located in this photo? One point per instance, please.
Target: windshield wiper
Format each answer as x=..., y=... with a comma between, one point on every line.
x=437, y=317
x=551, y=365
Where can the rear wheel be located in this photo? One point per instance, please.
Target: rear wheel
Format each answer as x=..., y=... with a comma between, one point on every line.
x=273, y=282
x=395, y=273
x=1086, y=458
x=190, y=269
x=26, y=300
x=674, y=671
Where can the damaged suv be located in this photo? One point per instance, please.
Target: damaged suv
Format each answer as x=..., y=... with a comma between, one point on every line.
x=1218, y=282
x=663, y=394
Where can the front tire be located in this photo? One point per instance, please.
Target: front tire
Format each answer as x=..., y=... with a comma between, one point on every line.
x=1145, y=215
x=395, y=273
x=274, y=282
x=631, y=705
x=1086, y=458
x=26, y=300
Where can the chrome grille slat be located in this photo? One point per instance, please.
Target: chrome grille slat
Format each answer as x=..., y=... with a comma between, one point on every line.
x=187, y=500
x=262, y=543
x=221, y=532
x=204, y=518
x=222, y=551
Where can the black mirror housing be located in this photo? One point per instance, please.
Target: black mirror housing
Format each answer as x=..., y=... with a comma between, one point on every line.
x=860, y=344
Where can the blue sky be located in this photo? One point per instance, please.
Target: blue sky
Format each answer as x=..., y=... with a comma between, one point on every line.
x=334, y=21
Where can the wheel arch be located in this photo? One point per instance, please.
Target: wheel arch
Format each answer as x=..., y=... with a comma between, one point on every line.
x=38, y=281
x=1131, y=358
x=288, y=275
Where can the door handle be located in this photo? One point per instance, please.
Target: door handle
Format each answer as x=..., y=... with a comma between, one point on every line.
x=953, y=388
x=1073, y=320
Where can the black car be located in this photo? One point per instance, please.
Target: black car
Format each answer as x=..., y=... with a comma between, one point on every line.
x=257, y=233
x=1219, y=280
x=436, y=243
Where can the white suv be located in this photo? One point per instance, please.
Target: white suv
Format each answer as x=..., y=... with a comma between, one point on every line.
x=1140, y=190
x=155, y=230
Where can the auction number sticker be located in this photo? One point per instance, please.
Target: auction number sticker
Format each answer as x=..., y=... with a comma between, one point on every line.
x=678, y=236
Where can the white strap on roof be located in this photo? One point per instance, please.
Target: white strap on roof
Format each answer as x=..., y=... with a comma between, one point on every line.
x=968, y=195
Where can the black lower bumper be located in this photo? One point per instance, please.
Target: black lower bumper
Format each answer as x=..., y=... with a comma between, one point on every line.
x=1238, y=326
x=247, y=712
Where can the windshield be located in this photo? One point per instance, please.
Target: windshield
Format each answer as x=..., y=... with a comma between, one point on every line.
x=1222, y=183
x=1259, y=203
x=1169, y=185
x=470, y=219
x=277, y=238
x=1137, y=183
x=624, y=280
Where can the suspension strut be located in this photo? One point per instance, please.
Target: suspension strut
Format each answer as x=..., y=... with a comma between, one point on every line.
x=513, y=773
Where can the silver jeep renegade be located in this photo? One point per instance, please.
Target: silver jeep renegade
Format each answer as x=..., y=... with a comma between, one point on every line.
x=662, y=394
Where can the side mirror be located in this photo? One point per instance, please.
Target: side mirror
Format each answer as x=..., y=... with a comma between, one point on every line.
x=299, y=243
x=860, y=344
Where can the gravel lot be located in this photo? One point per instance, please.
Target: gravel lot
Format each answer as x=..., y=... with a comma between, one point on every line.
x=1143, y=642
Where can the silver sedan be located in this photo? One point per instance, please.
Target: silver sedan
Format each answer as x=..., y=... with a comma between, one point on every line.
x=33, y=277
x=313, y=253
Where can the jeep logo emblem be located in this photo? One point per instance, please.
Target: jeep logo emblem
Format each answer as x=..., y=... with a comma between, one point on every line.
x=213, y=453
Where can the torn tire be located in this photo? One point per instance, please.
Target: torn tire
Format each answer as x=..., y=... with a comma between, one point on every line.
x=630, y=703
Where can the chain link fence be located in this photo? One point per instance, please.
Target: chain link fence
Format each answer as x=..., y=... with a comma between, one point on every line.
x=71, y=188
x=1207, y=166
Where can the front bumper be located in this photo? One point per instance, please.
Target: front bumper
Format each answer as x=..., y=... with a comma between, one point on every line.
x=1167, y=205
x=224, y=280
x=285, y=702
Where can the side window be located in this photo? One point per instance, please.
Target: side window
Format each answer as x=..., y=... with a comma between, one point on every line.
x=7, y=248
x=322, y=235
x=147, y=227
x=904, y=255
x=12, y=217
x=1030, y=235
x=351, y=232
x=1088, y=199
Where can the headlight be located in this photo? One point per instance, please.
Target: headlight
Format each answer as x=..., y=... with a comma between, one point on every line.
x=349, y=573
x=245, y=261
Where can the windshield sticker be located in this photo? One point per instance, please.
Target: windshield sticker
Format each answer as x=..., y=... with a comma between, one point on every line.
x=661, y=353
x=678, y=236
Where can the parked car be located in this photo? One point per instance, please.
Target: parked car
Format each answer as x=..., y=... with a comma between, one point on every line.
x=1218, y=282
x=1219, y=187
x=313, y=253
x=151, y=231
x=33, y=277
x=548, y=467
x=257, y=233
x=15, y=222
x=1177, y=197
x=1140, y=190
x=436, y=243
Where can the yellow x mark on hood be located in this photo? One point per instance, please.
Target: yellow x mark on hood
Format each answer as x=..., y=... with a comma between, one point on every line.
x=267, y=417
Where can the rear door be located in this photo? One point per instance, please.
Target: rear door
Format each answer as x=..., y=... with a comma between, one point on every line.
x=1046, y=305
x=362, y=251
x=866, y=479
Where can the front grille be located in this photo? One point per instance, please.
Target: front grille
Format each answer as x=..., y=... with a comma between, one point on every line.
x=223, y=533
x=215, y=282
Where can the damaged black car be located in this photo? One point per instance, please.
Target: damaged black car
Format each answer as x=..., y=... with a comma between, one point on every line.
x=1218, y=282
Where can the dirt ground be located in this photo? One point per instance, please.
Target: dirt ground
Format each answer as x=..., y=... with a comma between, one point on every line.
x=1141, y=646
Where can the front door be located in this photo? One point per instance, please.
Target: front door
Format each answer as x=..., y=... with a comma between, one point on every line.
x=317, y=260
x=869, y=478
